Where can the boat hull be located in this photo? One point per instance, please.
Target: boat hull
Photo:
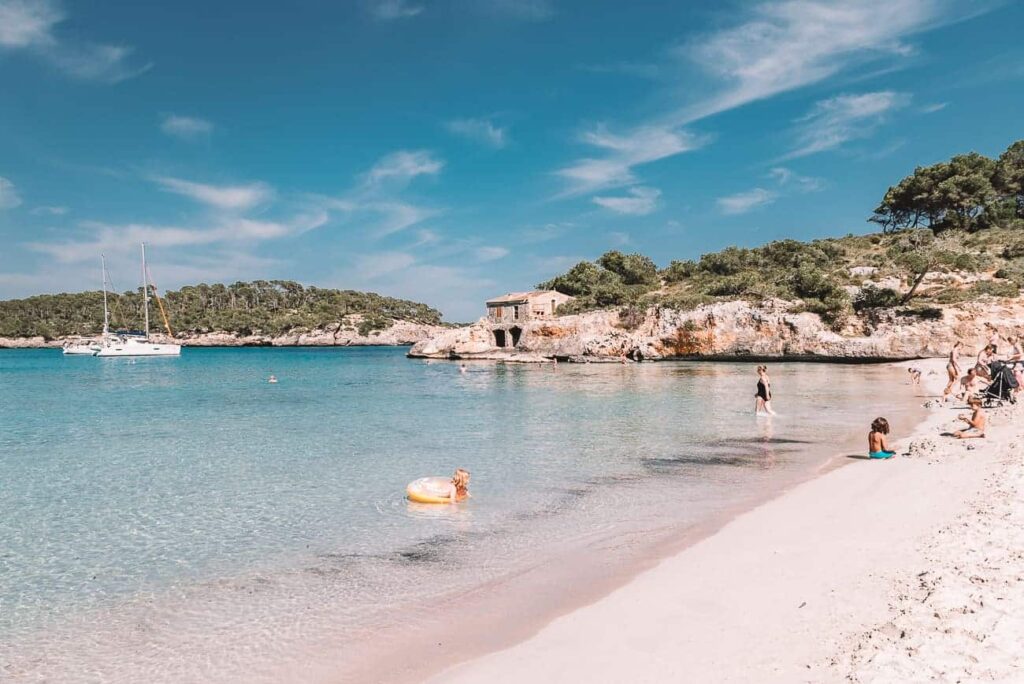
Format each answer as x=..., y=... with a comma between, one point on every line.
x=139, y=348
x=81, y=350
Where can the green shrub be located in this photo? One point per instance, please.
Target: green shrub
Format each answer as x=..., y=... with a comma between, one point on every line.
x=874, y=297
x=928, y=313
x=679, y=271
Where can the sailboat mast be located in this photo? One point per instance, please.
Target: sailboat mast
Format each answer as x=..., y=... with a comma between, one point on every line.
x=145, y=291
x=106, y=311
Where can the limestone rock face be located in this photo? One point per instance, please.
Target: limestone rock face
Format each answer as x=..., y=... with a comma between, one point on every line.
x=770, y=329
x=344, y=334
x=28, y=343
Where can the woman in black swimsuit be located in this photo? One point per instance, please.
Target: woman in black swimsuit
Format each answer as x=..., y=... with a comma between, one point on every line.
x=762, y=404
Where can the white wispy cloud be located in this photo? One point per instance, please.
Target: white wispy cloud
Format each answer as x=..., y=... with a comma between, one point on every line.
x=376, y=203
x=743, y=202
x=526, y=10
x=29, y=25
x=490, y=253
x=934, y=107
x=639, y=201
x=187, y=128
x=403, y=166
x=457, y=290
x=788, y=178
x=389, y=10
x=480, y=130
x=623, y=152
x=789, y=44
x=107, y=238
x=49, y=211
x=226, y=197
x=839, y=119
x=9, y=197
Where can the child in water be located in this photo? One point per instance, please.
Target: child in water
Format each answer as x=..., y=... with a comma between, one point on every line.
x=878, y=444
x=459, y=486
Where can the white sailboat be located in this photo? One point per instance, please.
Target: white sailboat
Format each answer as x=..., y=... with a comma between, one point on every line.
x=138, y=345
x=89, y=346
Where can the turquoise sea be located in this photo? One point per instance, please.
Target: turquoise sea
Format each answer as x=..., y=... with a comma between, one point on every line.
x=180, y=519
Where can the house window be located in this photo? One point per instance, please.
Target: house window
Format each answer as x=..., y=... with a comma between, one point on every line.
x=515, y=313
x=498, y=312
x=552, y=307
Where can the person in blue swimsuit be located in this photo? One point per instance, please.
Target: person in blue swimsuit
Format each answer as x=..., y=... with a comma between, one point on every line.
x=878, y=443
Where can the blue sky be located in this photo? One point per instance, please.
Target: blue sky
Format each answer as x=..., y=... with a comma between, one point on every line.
x=447, y=151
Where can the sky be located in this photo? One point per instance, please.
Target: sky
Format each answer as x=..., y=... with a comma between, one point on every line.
x=448, y=151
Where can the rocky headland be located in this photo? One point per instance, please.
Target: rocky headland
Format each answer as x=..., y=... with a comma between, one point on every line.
x=773, y=329
x=343, y=334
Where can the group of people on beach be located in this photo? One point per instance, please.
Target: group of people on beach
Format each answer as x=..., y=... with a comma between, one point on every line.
x=972, y=385
x=978, y=376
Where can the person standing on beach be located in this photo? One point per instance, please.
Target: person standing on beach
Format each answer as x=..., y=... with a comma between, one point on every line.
x=985, y=357
x=953, y=369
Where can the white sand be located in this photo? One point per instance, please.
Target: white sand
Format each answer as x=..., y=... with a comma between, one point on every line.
x=823, y=583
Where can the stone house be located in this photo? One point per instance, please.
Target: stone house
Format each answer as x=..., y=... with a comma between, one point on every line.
x=507, y=314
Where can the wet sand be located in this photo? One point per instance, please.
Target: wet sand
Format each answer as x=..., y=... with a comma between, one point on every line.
x=813, y=586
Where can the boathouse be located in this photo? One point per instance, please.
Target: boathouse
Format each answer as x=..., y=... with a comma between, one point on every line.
x=508, y=313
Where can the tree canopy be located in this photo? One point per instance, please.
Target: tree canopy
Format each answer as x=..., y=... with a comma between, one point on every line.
x=969, y=192
x=262, y=306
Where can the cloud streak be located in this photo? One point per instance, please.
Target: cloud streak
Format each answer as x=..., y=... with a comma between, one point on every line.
x=9, y=197
x=105, y=238
x=29, y=26
x=390, y=10
x=744, y=202
x=837, y=120
x=790, y=44
x=480, y=130
x=225, y=197
x=403, y=166
x=622, y=153
x=640, y=201
x=187, y=128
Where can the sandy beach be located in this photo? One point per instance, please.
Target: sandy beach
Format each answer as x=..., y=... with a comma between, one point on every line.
x=910, y=569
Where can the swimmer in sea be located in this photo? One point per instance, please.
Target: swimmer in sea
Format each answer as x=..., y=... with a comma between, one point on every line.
x=272, y=379
x=878, y=443
x=459, y=486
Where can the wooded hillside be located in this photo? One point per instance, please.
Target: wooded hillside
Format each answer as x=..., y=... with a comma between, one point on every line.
x=262, y=306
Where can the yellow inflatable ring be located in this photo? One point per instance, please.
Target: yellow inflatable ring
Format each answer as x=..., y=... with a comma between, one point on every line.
x=430, y=490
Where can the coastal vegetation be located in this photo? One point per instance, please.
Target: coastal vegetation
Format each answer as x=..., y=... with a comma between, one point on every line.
x=963, y=218
x=270, y=307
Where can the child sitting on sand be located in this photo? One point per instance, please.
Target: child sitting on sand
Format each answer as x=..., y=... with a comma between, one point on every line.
x=975, y=422
x=878, y=444
x=459, y=486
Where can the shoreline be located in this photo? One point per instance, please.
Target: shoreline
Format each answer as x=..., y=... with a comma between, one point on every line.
x=774, y=593
x=539, y=601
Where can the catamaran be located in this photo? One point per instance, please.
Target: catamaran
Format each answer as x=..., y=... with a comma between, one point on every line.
x=89, y=346
x=127, y=344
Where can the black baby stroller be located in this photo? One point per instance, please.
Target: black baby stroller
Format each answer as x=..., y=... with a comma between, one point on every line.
x=1001, y=388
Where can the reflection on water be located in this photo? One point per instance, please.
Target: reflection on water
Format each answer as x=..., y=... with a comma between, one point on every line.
x=186, y=506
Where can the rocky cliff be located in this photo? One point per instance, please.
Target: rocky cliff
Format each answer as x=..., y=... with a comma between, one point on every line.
x=400, y=333
x=773, y=329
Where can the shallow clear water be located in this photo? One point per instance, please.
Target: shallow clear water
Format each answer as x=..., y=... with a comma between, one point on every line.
x=164, y=506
